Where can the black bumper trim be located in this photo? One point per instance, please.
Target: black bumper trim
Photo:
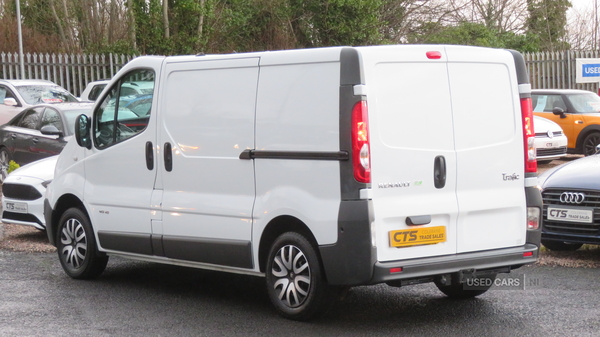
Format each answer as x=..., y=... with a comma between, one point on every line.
x=440, y=265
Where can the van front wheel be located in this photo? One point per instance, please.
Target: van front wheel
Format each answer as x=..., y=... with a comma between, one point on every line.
x=295, y=282
x=76, y=245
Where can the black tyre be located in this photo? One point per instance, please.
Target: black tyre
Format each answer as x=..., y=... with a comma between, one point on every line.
x=77, y=249
x=471, y=288
x=4, y=163
x=295, y=281
x=590, y=142
x=561, y=246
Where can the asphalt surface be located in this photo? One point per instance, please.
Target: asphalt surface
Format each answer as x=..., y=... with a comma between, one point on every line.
x=146, y=299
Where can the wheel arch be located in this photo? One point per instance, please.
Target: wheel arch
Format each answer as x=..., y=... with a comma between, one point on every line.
x=584, y=133
x=275, y=228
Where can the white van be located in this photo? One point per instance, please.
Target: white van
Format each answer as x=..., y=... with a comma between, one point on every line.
x=317, y=169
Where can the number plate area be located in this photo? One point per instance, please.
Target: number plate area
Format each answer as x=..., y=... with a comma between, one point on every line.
x=17, y=207
x=571, y=214
x=417, y=236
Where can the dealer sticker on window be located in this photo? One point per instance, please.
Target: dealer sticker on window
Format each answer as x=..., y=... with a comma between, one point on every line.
x=417, y=236
x=17, y=207
x=571, y=214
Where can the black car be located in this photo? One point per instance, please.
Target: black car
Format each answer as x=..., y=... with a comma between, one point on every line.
x=38, y=132
x=571, y=194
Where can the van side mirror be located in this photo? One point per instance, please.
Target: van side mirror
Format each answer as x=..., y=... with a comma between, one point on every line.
x=51, y=130
x=10, y=101
x=559, y=112
x=82, y=131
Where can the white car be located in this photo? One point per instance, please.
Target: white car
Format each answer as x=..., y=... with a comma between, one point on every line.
x=92, y=90
x=23, y=193
x=17, y=95
x=550, y=140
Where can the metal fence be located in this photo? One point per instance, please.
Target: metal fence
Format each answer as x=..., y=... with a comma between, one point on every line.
x=556, y=70
x=72, y=72
x=547, y=70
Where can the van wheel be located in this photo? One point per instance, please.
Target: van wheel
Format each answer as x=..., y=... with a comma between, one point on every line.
x=458, y=291
x=295, y=281
x=77, y=249
x=561, y=246
x=4, y=163
x=589, y=143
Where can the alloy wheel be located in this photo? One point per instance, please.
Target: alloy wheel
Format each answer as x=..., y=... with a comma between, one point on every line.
x=291, y=271
x=74, y=243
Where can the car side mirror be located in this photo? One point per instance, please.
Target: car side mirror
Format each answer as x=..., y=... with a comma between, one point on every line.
x=10, y=101
x=559, y=112
x=82, y=131
x=51, y=130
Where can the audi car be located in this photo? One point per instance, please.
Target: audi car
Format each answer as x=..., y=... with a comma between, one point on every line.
x=571, y=194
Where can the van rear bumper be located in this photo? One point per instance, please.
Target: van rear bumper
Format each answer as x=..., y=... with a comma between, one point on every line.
x=489, y=260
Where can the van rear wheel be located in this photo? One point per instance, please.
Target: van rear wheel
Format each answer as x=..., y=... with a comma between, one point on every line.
x=471, y=288
x=295, y=281
x=76, y=245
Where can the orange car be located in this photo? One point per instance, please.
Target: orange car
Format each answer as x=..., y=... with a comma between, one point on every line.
x=576, y=111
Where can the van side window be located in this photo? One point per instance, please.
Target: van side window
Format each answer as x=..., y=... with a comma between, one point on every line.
x=125, y=111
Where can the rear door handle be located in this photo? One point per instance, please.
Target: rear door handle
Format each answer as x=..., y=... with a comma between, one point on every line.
x=439, y=172
x=168, y=157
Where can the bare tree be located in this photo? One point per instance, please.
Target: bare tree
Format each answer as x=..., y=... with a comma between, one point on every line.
x=582, y=27
x=499, y=15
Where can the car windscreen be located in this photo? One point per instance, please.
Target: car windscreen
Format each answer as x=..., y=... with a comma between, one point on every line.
x=36, y=94
x=585, y=102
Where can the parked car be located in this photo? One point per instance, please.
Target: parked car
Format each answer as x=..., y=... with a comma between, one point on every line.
x=550, y=141
x=16, y=95
x=92, y=90
x=38, y=132
x=576, y=111
x=571, y=214
x=23, y=193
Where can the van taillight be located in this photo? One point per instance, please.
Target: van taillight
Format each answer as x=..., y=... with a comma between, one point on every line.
x=528, y=135
x=361, y=159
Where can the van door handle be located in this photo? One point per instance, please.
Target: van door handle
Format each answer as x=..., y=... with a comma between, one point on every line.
x=439, y=172
x=149, y=156
x=168, y=157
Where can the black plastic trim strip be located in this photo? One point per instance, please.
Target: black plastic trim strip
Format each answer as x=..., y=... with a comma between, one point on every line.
x=232, y=253
x=126, y=242
x=302, y=155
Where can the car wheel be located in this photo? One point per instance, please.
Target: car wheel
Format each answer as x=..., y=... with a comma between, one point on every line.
x=4, y=163
x=561, y=246
x=77, y=249
x=471, y=288
x=589, y=143
x=295, y=282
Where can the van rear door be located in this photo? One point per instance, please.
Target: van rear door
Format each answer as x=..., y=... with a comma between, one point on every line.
x=446, y=150
x=410, y=118
x=489, y=147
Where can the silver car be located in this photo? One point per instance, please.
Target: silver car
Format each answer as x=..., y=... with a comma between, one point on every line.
x=17, y=95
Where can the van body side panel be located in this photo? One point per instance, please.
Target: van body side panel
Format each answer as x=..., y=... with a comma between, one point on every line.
x=207, y=117
x=489, y=146
x=297, y=111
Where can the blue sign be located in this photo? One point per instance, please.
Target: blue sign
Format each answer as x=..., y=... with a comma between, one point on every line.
x=591, y=70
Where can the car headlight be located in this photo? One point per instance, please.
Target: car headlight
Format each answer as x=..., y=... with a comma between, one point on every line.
x=46, y=183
